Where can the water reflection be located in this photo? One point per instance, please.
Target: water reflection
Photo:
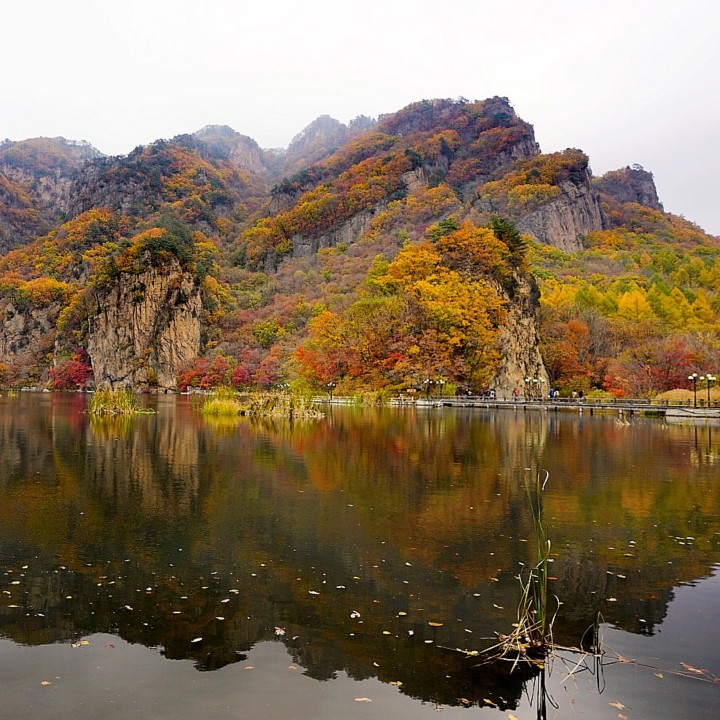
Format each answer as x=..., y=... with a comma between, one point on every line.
x=374, y=543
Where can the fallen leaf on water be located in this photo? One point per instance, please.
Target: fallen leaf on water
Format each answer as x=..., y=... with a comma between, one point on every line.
x=617, y=705
x=45, y=682
x=512, y=717
x=396, y=683
x=386, y=632
x=292, y=667
x=279, y=631
x=660, y=675
x=196, y=640
x=363, y=699
x=249, y=667
x=489, y=702
x=435, y=624
x=692, y=669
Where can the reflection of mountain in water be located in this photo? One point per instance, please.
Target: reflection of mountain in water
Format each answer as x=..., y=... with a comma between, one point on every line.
x=351, y=535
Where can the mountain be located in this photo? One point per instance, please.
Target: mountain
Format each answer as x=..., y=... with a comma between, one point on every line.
x=35, y=178
x=435, y=244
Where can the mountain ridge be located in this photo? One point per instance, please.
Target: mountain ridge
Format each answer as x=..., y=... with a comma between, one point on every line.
x=271, y=253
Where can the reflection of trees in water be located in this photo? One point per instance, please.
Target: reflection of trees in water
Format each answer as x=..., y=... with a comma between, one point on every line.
x=144, y=461
x=410, y=512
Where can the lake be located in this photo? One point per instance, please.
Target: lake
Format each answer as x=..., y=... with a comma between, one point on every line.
x=167, y=567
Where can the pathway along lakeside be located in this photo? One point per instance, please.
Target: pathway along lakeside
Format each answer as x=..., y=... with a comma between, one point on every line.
x=643, y=407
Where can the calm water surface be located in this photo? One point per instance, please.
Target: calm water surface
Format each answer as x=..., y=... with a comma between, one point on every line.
x=164, y=567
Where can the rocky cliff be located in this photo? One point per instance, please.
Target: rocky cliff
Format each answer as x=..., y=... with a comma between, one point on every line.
x=565, y=220
x=145, y=327
x=27, y=336
x=521, y=365
x=318, y=140
x=242, y=151
x=631, y=184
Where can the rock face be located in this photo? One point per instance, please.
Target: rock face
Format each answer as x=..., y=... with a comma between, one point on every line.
x=347, y=233
x=317, y=140
x=242, y=151
x=25, y=335
x=518, y=345
x=565, y=220
x=631, y=184
x=145, y=328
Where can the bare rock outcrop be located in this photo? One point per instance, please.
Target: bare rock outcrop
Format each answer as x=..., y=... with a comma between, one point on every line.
x=346, y=233
x=631, y=184
x=564, y=221
x=521, y=365
x=242, y=151
x=145, y=328
x=26, y=334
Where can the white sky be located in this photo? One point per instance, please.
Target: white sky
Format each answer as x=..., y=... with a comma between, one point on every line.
x=627, y=81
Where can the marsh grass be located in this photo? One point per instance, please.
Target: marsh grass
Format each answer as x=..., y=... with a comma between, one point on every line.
x=106, y=401
x=282, y=405
x=531, y=639
x=227, y=403
x=223, y=402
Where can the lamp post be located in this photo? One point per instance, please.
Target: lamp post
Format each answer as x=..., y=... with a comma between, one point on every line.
x=708, y=377
x=441, y=383
x=694, y=378
x=330, y=387
x=527, y=388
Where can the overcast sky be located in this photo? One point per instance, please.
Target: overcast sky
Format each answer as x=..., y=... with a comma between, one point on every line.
x=627, y=81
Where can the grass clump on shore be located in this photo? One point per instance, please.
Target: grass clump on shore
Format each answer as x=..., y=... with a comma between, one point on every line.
x=223, y=402
x=106, y=401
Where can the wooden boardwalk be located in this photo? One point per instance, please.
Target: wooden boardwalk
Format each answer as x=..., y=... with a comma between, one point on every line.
x=584, y=405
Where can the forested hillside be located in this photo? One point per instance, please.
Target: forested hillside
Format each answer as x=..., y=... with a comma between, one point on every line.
x=437, y=247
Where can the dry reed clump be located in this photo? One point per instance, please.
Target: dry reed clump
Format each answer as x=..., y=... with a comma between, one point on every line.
x=226, y=402
x=281, y=405
x=531, y=640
